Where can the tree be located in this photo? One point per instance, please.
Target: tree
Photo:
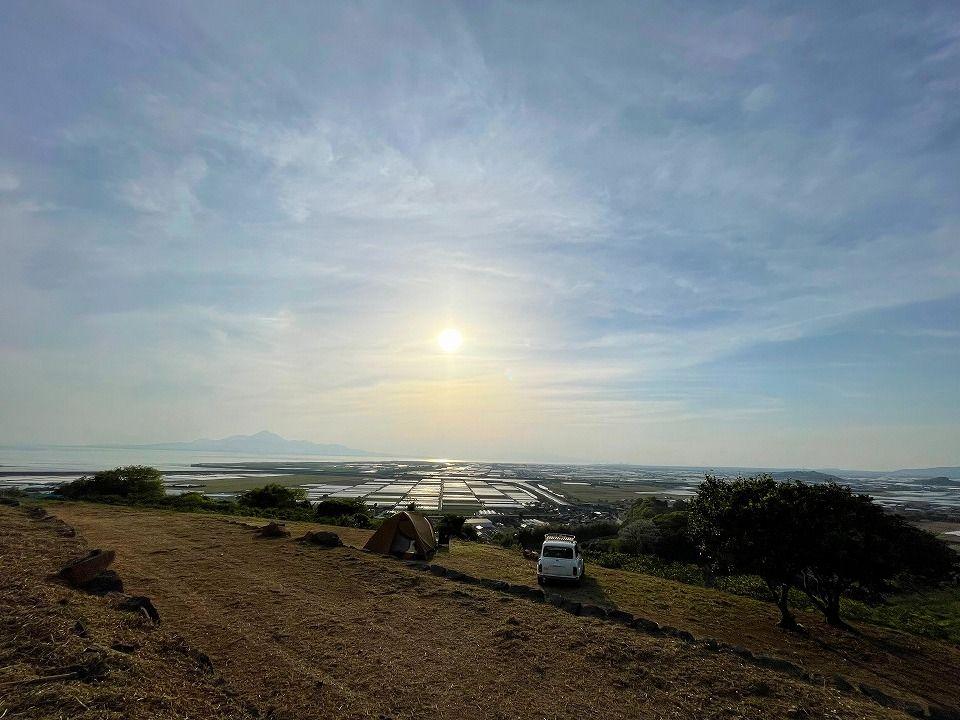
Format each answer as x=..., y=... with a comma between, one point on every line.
x=851, y=542
x=133, y=482
x=640, y=536
x=274, y=496
x=449, y=526
x=748, y=526
x=823, y=539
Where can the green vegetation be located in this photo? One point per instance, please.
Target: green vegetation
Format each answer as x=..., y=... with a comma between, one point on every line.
x=824, y=540
x=143, y=487
x=277, y=496
x=133, y=482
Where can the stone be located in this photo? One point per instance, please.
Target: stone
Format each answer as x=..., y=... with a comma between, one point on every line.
x=323, y=538
x=79, y=572
x=620, y=616
x=775, y=663
x=105, y=582
x=272, y=529
x=642, y=623
x=139, y=603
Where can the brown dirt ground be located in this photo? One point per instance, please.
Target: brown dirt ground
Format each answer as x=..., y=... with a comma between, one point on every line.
x=297, y=632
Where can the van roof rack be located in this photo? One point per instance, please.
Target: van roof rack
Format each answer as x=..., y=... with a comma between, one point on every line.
x=561, y=538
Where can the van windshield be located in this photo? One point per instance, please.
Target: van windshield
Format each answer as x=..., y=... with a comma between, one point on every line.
x=556, y=551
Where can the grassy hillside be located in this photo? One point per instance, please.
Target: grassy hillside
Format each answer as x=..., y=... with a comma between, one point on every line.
x=295, y=631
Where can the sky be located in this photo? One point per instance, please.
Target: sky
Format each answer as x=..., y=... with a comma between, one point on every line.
x=669, y=233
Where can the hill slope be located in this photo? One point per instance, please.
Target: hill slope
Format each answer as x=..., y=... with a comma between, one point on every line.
x=306, y=632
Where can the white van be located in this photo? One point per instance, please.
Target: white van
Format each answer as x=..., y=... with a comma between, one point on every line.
x=560, y=559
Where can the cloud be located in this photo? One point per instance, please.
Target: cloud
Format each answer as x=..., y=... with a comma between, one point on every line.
x=621, y=207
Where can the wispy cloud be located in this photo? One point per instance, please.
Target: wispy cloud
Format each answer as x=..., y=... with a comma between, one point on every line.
x=650, y=222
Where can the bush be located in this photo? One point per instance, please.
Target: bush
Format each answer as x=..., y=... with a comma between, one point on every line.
x=134, y=482
x=276, y=496
x=335, y=507
x=640, y=536
x=532, y=538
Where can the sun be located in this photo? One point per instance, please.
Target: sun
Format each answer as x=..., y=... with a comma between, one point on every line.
x=450, y=340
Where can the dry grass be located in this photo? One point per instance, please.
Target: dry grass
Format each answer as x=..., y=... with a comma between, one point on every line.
x=300, y=631
x=900, y=663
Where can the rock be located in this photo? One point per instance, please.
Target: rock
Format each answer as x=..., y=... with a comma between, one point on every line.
x=323, y=538
x=36, y=512
x=454, y=575
x=80, y=629
x=105, y=582
x=438, y=570
x=571, y=606
x=79, y=572
x=642, y=623
x=519, y=590
x=740, y=651
x=501, y=585
x=126, y=648
x=841, y=683
x=555, y=599
x=881, y=698
x=139, y=603
x=588, y=610
x=620, y=616
x=12, y=502
x=775, y=663
x=272, y=530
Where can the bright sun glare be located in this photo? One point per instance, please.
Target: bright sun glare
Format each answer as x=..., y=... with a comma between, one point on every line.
x=450, y=340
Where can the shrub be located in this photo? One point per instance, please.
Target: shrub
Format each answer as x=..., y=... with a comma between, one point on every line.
x=335, y=507
x=133, y=482
x=274, y=495
x=639, y=536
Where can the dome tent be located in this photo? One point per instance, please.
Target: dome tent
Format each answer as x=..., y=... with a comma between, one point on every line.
x=407, y=534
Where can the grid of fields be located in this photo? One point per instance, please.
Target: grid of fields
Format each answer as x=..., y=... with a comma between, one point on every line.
x=438, y=493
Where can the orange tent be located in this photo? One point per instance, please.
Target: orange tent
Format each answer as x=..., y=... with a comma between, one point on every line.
x=407, y=534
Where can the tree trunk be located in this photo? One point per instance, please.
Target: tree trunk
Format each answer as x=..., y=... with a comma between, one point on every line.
x=787, y=620
x=831, y=611
x=781, y=596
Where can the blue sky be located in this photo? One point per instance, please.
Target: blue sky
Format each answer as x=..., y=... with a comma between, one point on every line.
x=719, y=233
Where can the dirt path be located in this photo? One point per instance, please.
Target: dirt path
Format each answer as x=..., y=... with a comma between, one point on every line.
x=308, y=632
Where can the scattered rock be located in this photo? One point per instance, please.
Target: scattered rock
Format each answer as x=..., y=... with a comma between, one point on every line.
x=125, y=648
x=740, y=651
x=272, y=530
x=82, y=571
x=36, y=512
x=454, y=575
x=596, y=611
x=775, y=663
x=620, y=616
x=881, y=698
x=571, y=606
x=641, y=623
x=139, y=603
x=841, y=683
x=105, y=582
x=12, y=502
x=323, y=538
x=80, y=629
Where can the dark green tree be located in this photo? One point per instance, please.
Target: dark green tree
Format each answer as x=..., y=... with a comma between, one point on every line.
x=274, y=496
x=133, y=482
x=749, y=526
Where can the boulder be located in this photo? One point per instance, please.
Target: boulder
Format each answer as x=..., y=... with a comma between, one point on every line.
x=323, y=538
x=272, y=530
x=141, y=604
x=82, y=571
x=105, y=582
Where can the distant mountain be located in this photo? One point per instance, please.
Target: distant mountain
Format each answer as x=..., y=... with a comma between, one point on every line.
x=262, y=443
x=948, y=472
x=807, y=476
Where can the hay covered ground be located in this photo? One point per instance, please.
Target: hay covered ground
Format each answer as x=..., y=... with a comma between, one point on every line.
x=292, y=632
